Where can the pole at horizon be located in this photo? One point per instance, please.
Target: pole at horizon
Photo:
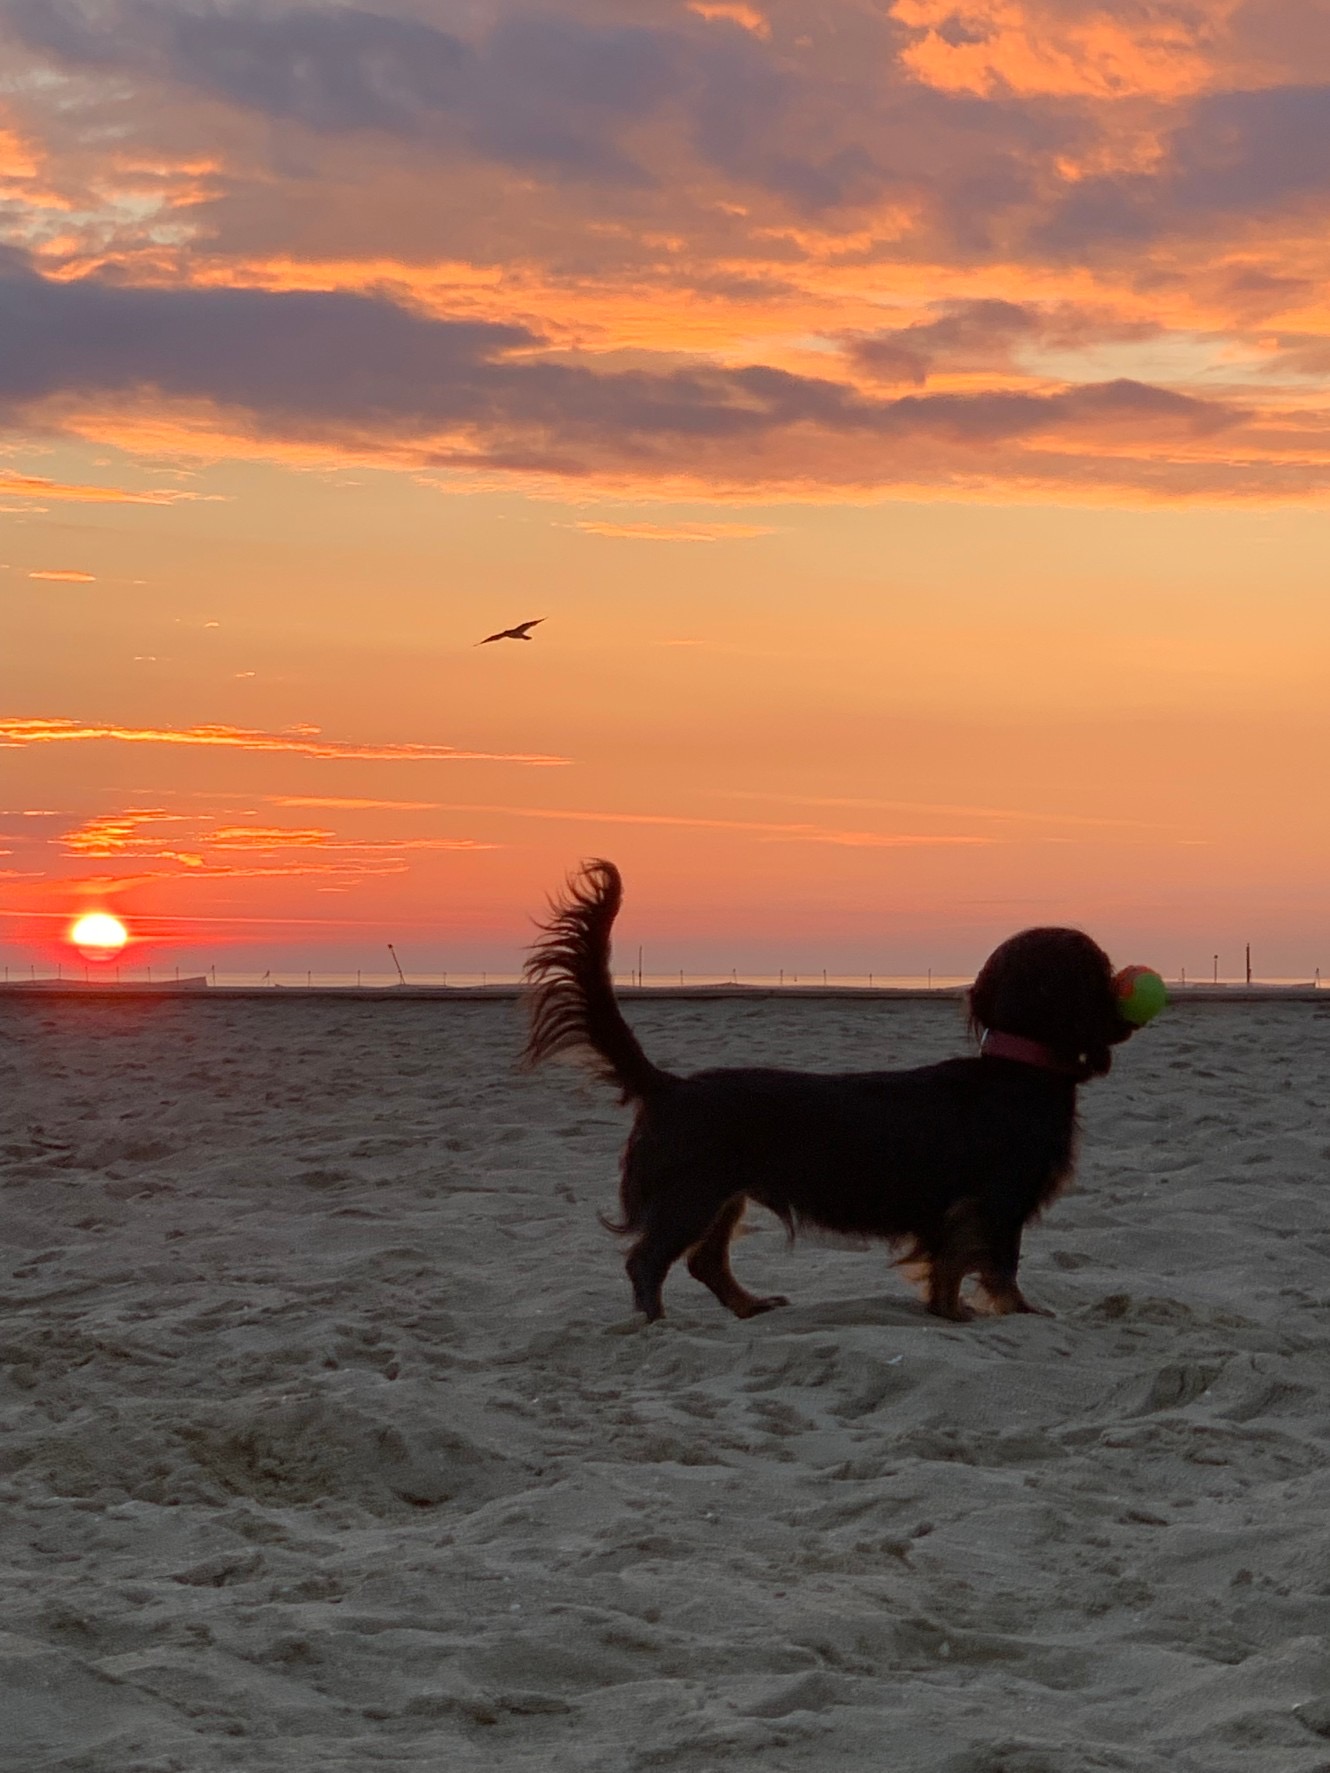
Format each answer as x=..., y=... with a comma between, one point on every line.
x=397, y=963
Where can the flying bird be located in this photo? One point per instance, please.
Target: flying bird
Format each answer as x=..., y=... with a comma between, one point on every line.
x=520, y=632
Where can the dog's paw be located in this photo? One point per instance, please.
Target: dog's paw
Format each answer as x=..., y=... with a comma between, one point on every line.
x=1017, y=1305
x=959, y=1313
x=752, y=1306
x=1007, y=1301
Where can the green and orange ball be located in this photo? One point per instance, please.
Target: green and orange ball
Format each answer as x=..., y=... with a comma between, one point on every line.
x=1141, y=995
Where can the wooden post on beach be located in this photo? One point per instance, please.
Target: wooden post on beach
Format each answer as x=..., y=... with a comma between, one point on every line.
x=1249, y=963
x=1216, y=969
x=401, y=976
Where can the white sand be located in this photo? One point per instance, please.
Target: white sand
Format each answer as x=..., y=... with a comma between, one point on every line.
x=327, y=1443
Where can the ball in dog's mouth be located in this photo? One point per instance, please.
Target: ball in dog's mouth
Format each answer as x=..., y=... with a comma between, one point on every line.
x=1141, y=995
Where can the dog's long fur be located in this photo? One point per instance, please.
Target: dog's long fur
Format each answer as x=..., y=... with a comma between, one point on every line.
x=947, y=1163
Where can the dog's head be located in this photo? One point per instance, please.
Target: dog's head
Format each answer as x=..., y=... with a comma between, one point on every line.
x=1055, y=987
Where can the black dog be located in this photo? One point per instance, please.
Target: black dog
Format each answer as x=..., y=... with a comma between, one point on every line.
x=948, y=1163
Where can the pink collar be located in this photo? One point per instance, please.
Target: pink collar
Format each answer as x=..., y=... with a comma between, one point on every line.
x=996, y=1045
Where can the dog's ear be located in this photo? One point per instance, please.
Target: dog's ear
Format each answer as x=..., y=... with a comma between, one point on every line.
x=1054, y=986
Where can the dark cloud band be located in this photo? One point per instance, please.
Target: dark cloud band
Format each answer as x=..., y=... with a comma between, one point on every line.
x=333, y=366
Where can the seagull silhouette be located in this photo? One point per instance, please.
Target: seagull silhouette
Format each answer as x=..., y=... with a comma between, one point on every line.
x=520, y=632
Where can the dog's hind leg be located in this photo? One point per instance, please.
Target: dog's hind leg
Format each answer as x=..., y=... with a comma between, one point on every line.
x=709, y=1262
x=668, y=1227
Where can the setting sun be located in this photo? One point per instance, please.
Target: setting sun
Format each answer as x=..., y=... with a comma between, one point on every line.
x=99, y=936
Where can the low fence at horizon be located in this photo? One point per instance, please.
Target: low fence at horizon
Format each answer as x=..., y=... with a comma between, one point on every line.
x=108, y=973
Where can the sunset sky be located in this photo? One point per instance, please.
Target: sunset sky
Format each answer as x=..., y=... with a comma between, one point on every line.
x=910, y=420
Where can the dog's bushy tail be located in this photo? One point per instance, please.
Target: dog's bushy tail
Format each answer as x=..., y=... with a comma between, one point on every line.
x=573, y=1006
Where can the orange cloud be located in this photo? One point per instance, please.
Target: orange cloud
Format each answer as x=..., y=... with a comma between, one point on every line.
x=300, y=741
x=951, y=809
x=674, y=532
x=271, y=837
x=788, y=832
x=131, y=835
x=266, y=837
x=350, y=803
x=71, y=578
x=16, y=158
x=734, y=12
x=113, y=834
x=32, y=486
x=1013, y=45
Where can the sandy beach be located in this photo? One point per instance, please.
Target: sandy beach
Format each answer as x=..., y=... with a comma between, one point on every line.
x=329, y=1444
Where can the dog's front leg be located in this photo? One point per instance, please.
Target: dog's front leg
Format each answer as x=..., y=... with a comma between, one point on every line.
x=960, y=1248
x=997, y=1276
x=944, y=1290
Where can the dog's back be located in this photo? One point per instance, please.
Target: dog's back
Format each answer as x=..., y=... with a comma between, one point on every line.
x=876, y=1153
